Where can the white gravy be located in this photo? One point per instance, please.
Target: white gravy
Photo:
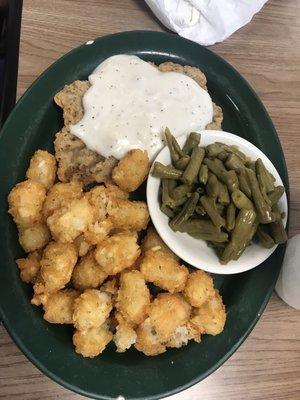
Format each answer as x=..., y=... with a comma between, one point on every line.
x=130, y=103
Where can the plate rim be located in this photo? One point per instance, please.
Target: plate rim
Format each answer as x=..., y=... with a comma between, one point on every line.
x=10, y=329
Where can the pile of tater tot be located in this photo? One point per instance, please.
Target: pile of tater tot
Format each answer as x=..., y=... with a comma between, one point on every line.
x=89, y=266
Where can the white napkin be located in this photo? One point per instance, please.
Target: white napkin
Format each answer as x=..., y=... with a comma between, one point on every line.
x=205, y=21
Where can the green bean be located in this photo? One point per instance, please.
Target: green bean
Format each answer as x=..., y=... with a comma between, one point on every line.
x=182, y=163
x=169, y=139
x=244, y=182
x=230, y=217
x=233, y=149
x=180, y=191
x=167, y=210
x=240, y=236
x=231, y=180
x=228, y=177
x=172, y=183
x=223, y=155
x=192, y=170
x=185, y=213
x=210, y=207
x=213, y=150
x=192, y=141
x=220, y=208
x=203, y=229
x=234, y=162
x=217, y=245
x=217, y=237
x=263, y=176
x=212, y=186
x=276, y=212
x=203, y=174
x=223, y=194
x=278, y=232
x=264, y=211
x=198, y=226
x=165, y=172
x=264, y=180
x=276, y=194
x=177, y=148
x=165, y=196
x=240, y=200
x=178, y=202
x=264, y=238
x=251, y=165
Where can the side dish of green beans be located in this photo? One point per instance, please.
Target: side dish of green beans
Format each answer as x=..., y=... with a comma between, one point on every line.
x=217, y=194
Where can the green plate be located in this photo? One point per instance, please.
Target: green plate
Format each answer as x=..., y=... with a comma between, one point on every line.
x=32, y=125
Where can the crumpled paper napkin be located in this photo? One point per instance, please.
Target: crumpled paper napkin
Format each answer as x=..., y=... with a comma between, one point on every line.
x=205, y=21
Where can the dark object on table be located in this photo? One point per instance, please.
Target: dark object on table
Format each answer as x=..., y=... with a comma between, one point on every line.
x=10, y=23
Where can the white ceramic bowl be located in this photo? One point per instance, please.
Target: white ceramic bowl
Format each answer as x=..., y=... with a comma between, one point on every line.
x=193, y=251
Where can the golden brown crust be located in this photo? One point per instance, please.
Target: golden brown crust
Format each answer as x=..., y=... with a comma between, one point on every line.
x=199, y=288
x=91, y=309
x=77, y=163
x=70, y=100
x=42, y=168
x=92, y=342
x=133, y=297
x=87, y=273
x=164, y=271
x=29, y=267
x=59, y=306
x=25, y=203
x=168, y=312
x=131, y=170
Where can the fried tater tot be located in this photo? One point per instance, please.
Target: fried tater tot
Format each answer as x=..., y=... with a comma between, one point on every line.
x=88, y=273
x=128, y=215
x=42, y=168
x=161, y=269
x=59, y=306
x=29, y=267
x=199, y=288
x=98, y=231
x=168, y=312
x=25, y=203
x=194, y=332
x=82, y=245
x=92, y=342
x=111, y=287
x=40, y=295
x=34, y=237
x=132, y=170
x=60, y=195
x=114, y=191
x=57, y=263
x=133, y=297
x=147, y=339
x=125, y=335
x=117, y=252
x=91, y=309
x=99, y=197
x=152, y=240
x=179, y=338
x=211, y=316
x=69, y=222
